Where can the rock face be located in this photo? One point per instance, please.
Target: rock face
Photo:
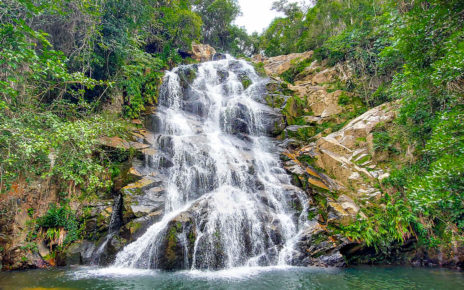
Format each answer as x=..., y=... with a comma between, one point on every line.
x=340, y=166
x=202, y=52
x=337, y=169
x=314, y=85
x=348, y=154
x=275, y=66
x=143, y=197
x=317, y=248
x=176, y=250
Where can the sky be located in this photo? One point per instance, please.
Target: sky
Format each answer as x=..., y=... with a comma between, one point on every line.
x=257, y=15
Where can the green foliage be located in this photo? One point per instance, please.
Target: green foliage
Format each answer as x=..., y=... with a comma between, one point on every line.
x=298, y=67
x=383, y=141
x=141, y=78
x=51, y=101
x=60, y=217
x=384, y=225
x=218, y=30
x=344, y=99
x=43, y=144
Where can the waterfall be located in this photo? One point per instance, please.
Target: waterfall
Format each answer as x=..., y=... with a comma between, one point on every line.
x=115, y=224
x=228, y=201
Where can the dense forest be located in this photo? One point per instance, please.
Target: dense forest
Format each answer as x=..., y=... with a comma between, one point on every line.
x=73, y=71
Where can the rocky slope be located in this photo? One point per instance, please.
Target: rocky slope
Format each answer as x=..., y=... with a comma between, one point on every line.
x=332, y=153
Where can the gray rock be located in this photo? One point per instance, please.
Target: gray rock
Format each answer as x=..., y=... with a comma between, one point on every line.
x=273, y=122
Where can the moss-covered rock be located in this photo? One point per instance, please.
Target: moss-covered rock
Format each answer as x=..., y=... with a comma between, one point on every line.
x=300, y=132
x=180, y=234
x=246, y=81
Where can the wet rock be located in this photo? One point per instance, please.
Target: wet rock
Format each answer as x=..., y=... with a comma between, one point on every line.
x=135, y=228
x=275, y=232
x=142, y=197
x=219, y=56
x=72, y=255
x=317, y=248
x=245, y=80
x=176, y=250
x=107, y=249
x=187, y=75
x=86, y=249
x=273, y=122
x=153, y=123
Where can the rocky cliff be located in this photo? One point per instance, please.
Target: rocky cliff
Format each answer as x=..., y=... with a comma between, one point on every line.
x=332, y=152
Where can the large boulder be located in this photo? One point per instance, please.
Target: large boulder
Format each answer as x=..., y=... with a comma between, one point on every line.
x=180, y=235
x=143, y=197
x=273, y=121
x=316, y=247
x=275, y=66
x=347, y=154
x=202, y=52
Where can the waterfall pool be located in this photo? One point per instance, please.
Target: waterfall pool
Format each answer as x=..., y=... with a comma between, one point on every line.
x=379, y=277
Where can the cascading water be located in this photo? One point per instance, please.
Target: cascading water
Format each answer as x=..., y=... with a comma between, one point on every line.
x=228, y=201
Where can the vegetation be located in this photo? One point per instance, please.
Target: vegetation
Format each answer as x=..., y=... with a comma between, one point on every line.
x=58, y=219
x=63, y=62
x=411, y=51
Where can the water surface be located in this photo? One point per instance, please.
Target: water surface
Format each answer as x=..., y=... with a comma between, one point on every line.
x=238, y=278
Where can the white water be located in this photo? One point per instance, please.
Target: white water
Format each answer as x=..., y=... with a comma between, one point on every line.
x=223, y=170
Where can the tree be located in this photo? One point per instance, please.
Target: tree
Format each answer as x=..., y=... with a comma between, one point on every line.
x=217, y=16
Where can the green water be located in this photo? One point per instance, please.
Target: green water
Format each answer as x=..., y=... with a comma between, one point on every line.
x=241, y=278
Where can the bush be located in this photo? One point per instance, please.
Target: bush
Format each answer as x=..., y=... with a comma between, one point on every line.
x=60, y=217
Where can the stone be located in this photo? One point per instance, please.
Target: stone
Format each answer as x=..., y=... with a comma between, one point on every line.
x=322, y=103
x=144, y=183
x=273, y=122
x=43, y=249
x=317, y=183
x=202, y=52
x=219, y=56
x=115, y=142
x=149, y=151
x=317, y=248
x=300, y=131
x=313, y=120
x=348, y=161
x=275, y=66
x=138, y=146
x=172, y=254
x=258, y=58
x=73, y=254
x=342, y=211
x=133, y=171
